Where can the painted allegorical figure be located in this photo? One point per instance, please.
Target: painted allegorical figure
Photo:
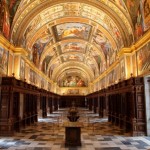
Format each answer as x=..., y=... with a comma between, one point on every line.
x=7, y=12
x=73, y=81
x=5, y=22
x=38, y=48
x=3, y=59
x=146, y=10
x=13, y=6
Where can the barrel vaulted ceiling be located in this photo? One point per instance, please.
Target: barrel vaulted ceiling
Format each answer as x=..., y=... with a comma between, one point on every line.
x=72, y=37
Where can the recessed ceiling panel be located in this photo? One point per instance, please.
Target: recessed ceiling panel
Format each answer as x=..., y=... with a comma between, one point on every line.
x=73, y=57
x=73, y=47
x=72, y=30
x=67, y=35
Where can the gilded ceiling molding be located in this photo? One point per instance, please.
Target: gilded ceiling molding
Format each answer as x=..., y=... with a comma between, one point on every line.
x=40, y=73
x=145, y=39
x=105, y=73
x=76, y=19
x=80, y=73
x=69, y=65
x=128, y=50
x=6, y=44
x=73, y=72
x=80, y=68
x=27, y=8
x=109, y=26
x=95, y=27
x=74, y=62
x=69, y=19
x=135, y=47
x=19, y=50
x=46, y=4
x=10, y=47
x=34, y=37
x=50, y=49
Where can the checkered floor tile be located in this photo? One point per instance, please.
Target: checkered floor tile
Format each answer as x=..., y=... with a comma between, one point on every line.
x=97, y=134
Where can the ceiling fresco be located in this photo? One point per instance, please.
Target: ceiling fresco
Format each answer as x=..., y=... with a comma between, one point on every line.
x=73, y=47
x=72, y=30
x=72, y=42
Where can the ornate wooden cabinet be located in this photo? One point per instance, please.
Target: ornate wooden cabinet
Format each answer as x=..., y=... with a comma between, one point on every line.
x=127, y=106
x=124, y=103
x=19, y=105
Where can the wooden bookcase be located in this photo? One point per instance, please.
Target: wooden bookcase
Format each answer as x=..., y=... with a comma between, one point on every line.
x=19, y=105
x=124, y=103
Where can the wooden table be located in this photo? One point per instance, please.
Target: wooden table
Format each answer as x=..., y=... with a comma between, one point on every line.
x=73, y=133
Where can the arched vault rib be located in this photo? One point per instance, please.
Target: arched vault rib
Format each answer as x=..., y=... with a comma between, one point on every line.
x=99, y=14
x=49, y=50
x=73, y=72
x=84, y=57
x=45, y=4
x=25, y=9
x=76, y=19
x=69, y=65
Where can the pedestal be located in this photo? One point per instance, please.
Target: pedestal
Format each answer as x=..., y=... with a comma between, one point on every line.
x=73, y=133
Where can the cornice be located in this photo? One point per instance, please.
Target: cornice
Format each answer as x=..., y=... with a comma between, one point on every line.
x=144, y=40
x=32, y=66
x=6, y=44
x=22, y=51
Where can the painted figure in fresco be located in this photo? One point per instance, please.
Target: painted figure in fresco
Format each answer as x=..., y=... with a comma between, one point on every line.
x=74, y=32
x=116, y=34
x=133, y=6
x=75, y=57
x=80, y=83
x=73, y=47
x=22, y=69
x=35, y=55
x=38, y=48
x=73, y=81
x=1, y=14
x=103, y=42
x=143, y=57
x=146, y=13
x=138, y=25
x=33, y=26
x=122, y=68
x=146, y=8
x=5, y=20
x=2, y=10
x=6, y=25
x=98, y=60
x=13, y=5
x=66, y=83
x=45, y=63
x=3, y=59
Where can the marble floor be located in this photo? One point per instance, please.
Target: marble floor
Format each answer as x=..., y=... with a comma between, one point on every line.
x=96, y=134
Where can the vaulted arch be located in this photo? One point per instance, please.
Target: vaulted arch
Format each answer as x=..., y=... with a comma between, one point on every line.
x=73, y=35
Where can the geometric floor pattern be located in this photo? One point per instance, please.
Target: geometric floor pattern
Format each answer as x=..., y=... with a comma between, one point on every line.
x=96, y=134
